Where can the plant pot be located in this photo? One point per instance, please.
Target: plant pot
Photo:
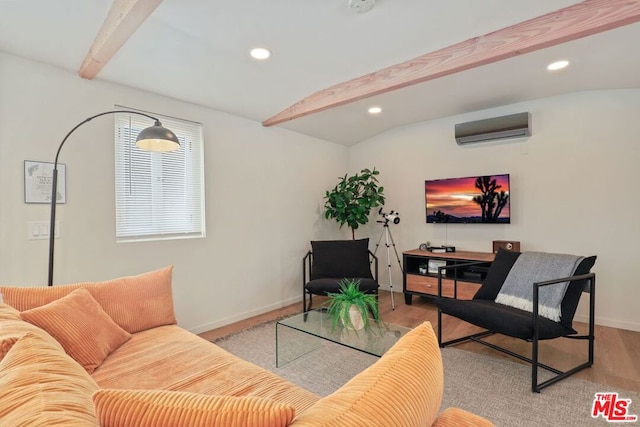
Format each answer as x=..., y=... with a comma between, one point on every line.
x=422, y=270
x=356, y=318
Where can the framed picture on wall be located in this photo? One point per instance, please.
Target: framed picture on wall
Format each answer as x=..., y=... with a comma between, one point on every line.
x=38, y=179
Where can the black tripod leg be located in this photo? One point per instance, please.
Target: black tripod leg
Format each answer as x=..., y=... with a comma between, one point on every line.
x=387, y=235
x=396, y=251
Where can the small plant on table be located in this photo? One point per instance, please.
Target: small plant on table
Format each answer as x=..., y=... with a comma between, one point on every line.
x=351, y=307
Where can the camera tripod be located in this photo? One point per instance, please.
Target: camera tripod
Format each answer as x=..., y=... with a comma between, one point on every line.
x=387, y=234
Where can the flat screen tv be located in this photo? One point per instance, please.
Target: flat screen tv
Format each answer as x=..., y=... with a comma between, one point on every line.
x=470, y=200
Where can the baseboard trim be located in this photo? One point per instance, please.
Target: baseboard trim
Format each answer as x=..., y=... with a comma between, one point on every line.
x=242, y=316
x=631, y=326
x=618, y=324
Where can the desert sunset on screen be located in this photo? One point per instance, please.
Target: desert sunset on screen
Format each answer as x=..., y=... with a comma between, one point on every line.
x=455, y=196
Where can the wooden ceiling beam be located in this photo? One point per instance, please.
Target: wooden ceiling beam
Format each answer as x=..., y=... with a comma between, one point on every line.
x=123, y=19
x=571, y=23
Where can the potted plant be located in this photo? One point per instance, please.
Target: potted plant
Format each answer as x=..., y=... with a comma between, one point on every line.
x=352, y=199
x=351, y=307
x=423, y=268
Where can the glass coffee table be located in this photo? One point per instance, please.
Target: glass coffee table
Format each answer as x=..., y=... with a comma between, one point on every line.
x=303, y=333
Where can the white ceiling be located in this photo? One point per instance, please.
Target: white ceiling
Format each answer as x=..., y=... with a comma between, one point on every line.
x=197, y=51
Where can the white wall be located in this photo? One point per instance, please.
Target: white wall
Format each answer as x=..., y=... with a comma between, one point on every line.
x=264, y=190
x=573, y=190
x=573, y=186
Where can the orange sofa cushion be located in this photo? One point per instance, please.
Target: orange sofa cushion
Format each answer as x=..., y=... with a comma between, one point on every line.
x=5, y=345
x=135, y=303
x=403, y=388
x=7, y=336
x=154, y=408
x=171, y=358
x=8, y=313
x=81, y=326
x=12, y=328
x=42, y=386
x=456, y=417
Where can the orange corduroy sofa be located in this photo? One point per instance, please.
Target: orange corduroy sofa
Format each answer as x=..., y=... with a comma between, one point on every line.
x=111, y=354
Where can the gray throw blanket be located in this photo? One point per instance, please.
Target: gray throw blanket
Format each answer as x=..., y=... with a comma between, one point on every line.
x=532, y=267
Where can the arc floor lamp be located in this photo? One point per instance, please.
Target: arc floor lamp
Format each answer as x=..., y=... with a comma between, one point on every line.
x=153, y=138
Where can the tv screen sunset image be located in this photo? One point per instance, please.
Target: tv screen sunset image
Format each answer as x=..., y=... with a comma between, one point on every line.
x=477, y=199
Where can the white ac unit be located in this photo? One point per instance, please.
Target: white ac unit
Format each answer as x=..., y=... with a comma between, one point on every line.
x=511, y=126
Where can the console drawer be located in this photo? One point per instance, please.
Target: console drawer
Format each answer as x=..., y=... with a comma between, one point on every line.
x=429, y=285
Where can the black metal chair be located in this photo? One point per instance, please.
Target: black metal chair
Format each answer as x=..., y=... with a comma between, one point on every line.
x=331, y=261
x=497, y=318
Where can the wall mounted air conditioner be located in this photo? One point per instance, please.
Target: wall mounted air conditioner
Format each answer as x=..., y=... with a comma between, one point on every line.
x=511, y=126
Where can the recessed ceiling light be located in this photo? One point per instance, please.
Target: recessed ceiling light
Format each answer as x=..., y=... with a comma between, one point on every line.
x=362, y=6
x=375, y=110
x=558, y=65
x=260, y=53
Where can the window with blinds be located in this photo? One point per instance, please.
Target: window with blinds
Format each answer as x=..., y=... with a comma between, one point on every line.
x=158, y=195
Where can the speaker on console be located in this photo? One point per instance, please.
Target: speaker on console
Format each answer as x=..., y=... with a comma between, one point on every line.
x=508, y=245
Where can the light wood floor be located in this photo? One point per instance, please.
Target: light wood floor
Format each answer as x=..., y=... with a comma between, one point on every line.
x=617, y=361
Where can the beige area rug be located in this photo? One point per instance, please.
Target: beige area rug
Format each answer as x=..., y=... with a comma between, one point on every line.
x=494, y=388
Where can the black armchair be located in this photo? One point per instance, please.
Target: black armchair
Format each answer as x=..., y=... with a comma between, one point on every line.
x=330, y=261
x=530, y=325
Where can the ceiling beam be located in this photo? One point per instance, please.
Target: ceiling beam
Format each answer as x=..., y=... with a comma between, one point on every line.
x=564, y=25
x=123, y=19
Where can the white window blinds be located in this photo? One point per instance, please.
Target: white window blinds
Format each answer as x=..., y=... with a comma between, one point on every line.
x=158, y=195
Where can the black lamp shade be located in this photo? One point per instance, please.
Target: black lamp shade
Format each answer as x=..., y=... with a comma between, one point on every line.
x=157, y=138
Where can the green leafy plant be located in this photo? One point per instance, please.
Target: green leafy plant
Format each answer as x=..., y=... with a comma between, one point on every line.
x=350, y=294
x=352, y=199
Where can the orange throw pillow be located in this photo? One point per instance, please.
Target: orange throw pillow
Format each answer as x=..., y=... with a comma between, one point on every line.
x=403, y=388
x=157, y=408
x=42, y=386
x=81, y=326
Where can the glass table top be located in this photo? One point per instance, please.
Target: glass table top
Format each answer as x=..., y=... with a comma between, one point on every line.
x=316, y=323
